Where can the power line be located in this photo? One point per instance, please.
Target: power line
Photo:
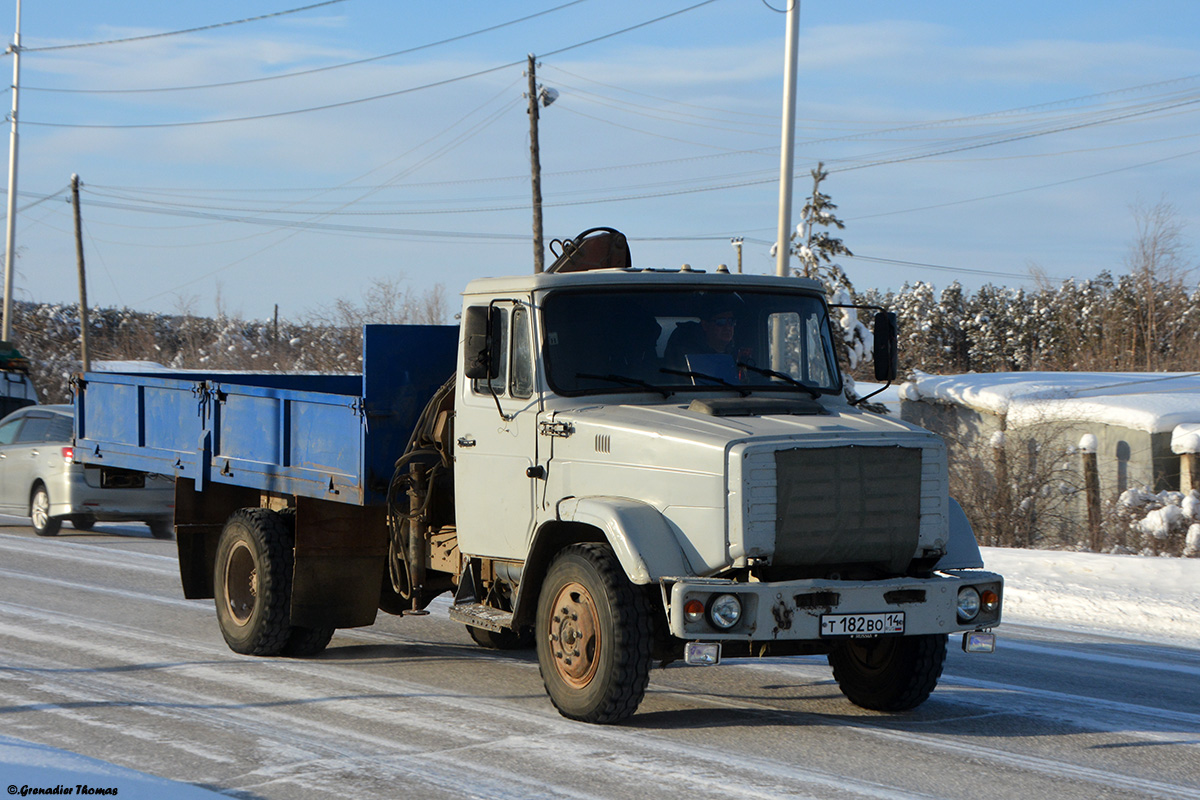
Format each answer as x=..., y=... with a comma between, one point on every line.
x=960, y=270
x=315, y=69
x=1028, y=188
x=177, y=33
x=345, y=103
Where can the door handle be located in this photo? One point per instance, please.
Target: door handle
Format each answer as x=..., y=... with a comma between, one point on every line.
x=464, y=441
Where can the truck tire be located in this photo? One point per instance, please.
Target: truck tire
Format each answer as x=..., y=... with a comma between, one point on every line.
x=593, y=636
x=39, y=513
x=889, y=673
x=253, y=581
x=507, y=639
x=305, y=642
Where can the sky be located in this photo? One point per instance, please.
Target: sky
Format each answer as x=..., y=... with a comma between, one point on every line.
x=361, y=141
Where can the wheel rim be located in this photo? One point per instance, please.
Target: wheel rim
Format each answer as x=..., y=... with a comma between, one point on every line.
x=241, y=583
x=575, y=635
x=41, y=509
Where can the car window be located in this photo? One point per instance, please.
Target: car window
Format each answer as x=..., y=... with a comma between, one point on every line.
x=60, y=429
x=8, y=431
x=34, y=430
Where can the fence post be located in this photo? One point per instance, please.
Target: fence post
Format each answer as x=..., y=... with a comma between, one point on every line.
x=1091, y=483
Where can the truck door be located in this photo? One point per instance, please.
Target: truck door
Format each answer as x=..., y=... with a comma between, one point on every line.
x=495, y=430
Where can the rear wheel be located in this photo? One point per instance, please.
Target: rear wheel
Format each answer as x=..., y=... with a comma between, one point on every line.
x=161, y=528
x=253, y=582
x=889, y=673
x=39, y=513
x=83, y=522
x=593, y=636
x=304, y=642
x=507, y=639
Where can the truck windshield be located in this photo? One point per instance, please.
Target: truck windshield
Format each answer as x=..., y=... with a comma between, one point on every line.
x=668, y=341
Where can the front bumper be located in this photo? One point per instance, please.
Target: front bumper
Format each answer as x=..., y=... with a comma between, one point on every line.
x=792, y=610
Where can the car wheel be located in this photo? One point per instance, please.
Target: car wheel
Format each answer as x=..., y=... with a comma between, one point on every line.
x=161, y=528
x=39, y=512
x=83, y=522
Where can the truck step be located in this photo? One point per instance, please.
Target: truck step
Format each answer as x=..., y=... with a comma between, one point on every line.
x=478, y=615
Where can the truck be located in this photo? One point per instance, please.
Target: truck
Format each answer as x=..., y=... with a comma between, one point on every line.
x=16, y=387
x=620, y=467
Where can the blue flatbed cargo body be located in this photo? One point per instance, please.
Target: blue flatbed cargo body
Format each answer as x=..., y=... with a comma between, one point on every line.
x=332, y=437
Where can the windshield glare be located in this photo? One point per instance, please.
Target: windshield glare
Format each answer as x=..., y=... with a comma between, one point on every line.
x=620, y=341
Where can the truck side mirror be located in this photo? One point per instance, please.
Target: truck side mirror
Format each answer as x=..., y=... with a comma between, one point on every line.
x=478, y=324
x=887, y=346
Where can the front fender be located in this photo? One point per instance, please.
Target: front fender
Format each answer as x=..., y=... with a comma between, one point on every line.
x=963, y=551
x=642, y=538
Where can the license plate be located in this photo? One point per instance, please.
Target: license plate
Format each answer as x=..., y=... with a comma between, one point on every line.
x=862, y=624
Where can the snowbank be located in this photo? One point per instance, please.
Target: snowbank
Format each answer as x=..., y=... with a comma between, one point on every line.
x=1155, y=402
x=1150, y=599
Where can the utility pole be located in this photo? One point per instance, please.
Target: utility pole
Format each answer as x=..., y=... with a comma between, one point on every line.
x=737, y=243
x=84, y=327
x=535, y=165
x=10, y=238
x=783, y=248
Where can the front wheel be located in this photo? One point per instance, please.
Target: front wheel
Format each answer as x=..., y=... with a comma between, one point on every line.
x=593, y=636
x=889, y=673
x=253, y=582
x=39, y=513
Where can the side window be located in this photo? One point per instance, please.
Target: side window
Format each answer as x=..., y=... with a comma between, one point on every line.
x=522, y=354
x=8, y=431
x=500, y=360
x=60, y=429
x=34, y=430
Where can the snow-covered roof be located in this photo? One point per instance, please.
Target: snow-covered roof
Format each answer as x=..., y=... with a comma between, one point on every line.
x=1155, y=402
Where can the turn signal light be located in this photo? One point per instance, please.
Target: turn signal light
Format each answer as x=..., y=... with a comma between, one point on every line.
x=693, y=610
x=990, y=600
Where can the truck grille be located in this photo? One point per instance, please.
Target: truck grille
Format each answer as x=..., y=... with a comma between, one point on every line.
x=848, y=506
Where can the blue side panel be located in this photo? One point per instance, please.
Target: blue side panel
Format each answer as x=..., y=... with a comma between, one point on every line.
x=119, y=428
x=325, y=438
x=248, y=429
x=403, y=365
x=173, y=417
x=334, y=437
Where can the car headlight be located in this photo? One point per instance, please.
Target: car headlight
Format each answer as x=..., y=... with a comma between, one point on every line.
x=968, y=603
x=725, y=611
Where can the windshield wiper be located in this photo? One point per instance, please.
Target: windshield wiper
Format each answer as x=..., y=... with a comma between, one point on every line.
x=770, y=373
x=743, y=391
x=625, y=381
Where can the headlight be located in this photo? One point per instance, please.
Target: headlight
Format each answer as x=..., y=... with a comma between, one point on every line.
x=968, y=603
x=725, y=611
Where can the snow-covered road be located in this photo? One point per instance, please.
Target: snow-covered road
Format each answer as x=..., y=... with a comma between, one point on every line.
x=1089, y=695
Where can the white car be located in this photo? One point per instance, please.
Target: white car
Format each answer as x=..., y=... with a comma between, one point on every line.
x=40, y=478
